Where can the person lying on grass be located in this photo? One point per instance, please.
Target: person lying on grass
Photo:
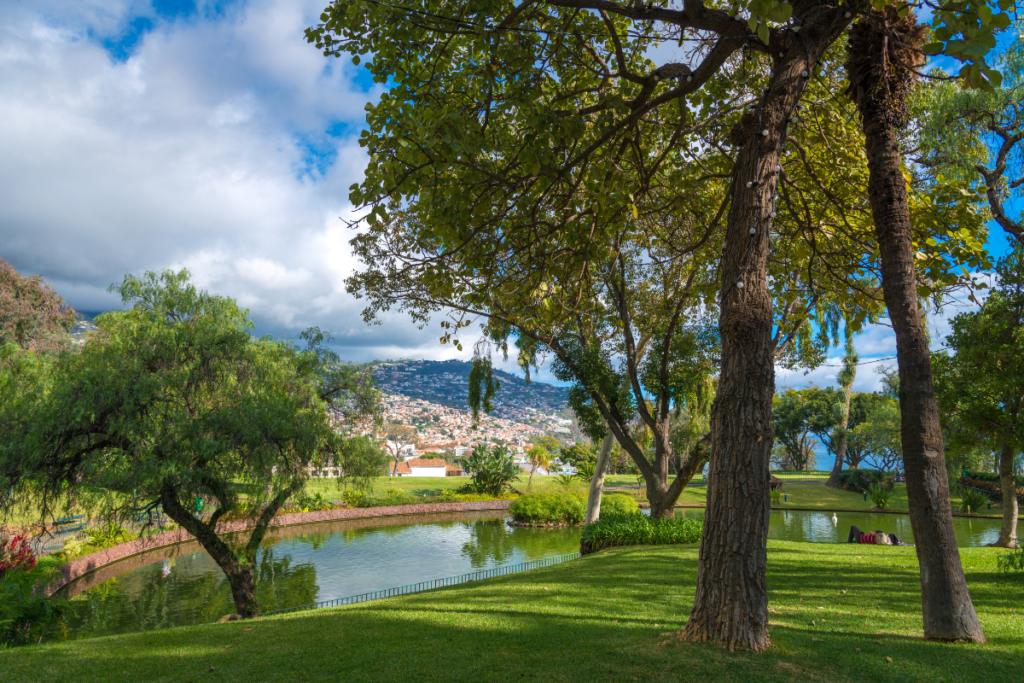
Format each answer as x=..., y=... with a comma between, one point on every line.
x=875, y=537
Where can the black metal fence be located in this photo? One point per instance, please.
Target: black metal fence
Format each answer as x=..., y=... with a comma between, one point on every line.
x=437, y=583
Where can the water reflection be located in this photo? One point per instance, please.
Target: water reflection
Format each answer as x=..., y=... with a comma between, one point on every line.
x=311, y=563
x=818, y=527
x=301, y=565
x=188, y=589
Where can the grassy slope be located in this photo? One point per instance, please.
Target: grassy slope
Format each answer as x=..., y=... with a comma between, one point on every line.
x=595, y=619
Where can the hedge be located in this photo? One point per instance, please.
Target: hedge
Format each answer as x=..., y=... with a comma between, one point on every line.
x=638, y=529
x=566, y=507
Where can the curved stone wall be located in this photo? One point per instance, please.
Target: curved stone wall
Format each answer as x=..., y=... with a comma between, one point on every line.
x=93, y=561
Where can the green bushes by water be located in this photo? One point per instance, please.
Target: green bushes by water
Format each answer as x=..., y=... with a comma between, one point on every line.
x=566, y=507
x=861, y=481
x=638, y=529
x=971, y=500
x=879, y=496
x=991, y=482
x=27, y=615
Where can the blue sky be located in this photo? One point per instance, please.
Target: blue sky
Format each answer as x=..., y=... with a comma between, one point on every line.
x=208, y=134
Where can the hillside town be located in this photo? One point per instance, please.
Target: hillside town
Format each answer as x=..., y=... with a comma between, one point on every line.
x=447, y=383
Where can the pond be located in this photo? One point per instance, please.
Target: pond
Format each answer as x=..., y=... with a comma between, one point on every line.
x=300, y=565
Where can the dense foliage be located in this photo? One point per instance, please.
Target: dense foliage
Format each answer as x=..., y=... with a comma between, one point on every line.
x=638, y=529
x=173, y=402
x=493, y=470
x=32, y=315
x=566, y=507
x=861, y=481
x=27, y=615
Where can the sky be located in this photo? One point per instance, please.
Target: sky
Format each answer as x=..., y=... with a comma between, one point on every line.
x=144, y=135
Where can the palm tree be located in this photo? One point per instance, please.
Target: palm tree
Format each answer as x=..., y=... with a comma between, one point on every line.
x=538, y=457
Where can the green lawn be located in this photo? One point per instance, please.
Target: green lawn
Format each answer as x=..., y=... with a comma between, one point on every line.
x=839, y=613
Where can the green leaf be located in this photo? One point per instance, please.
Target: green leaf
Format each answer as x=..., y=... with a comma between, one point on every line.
x=932, y=48
x=781, y=12
x=762, y=32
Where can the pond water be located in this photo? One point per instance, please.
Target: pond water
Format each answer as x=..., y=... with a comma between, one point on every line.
x=181, y=585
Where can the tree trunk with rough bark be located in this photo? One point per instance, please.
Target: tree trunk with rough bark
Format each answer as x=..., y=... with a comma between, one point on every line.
x=1008, y=485
x=879, y=89
x=240, y=575
x=597, y=483
x=730, y=607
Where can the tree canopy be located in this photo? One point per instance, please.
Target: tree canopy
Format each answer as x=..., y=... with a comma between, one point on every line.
x=173, y=402
x=32, y=315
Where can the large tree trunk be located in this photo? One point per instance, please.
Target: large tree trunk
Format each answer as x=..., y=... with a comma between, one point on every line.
x=597, y=483
x=240, y=575
x=731, y=602
x=878, y=90
x=1008, y=485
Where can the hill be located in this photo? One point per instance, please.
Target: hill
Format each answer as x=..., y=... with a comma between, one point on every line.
x=447, y=383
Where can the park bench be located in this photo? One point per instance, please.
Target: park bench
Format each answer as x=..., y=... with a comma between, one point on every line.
x=69, y=524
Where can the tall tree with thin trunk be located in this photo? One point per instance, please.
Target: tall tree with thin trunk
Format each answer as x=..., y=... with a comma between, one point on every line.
x=883, y=47
x=840, y=437
x=597, y=481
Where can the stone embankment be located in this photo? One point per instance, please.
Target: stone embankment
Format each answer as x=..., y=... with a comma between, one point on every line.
x=93, y=561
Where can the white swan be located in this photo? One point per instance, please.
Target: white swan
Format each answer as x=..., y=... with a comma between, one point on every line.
x=835, y=520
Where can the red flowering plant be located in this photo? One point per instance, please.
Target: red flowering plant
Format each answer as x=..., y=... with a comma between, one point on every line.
x=15, y=554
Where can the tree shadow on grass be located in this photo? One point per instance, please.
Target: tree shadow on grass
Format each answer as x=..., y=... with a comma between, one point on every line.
x=595, y=622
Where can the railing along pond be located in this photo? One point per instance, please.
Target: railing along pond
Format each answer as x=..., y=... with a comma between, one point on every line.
x=436, y=583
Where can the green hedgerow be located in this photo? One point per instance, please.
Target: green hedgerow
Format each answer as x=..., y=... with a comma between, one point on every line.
x=552, y=507
x=566, y=507
x=618, y=504
x=638, y=529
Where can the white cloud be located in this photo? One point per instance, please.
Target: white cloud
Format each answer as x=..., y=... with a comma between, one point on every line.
x=208, y=146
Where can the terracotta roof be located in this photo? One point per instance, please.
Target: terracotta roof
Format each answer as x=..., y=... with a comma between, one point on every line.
x=426, y=462
x=403, y=468
x=452, y=468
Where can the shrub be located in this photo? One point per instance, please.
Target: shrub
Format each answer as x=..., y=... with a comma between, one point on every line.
x=315, y=502
x=493, y=470
x=638, y=529
x=552, y=507
x=1012, y=560
x=26, y=614
x=354, y=499
x=73, y=547
x=993, y=477
x=879, y=495
x=110, y=534
x=618, y=504
x=392, y=497
x=776, y=494
x=860, y=481
x=566, y=480
x=16, y=555
x=988, y=481
x=971, y=500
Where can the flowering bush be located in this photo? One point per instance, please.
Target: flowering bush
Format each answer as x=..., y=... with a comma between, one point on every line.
x=26, y=614
x=15, y=554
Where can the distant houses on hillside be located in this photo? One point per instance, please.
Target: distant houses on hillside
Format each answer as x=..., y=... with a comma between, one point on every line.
x=423, y=467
